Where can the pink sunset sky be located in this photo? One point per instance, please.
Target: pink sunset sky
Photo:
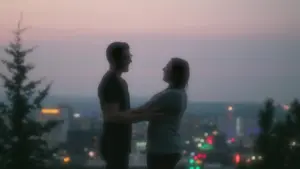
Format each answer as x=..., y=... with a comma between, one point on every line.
x=73, y=35
x=192, y=17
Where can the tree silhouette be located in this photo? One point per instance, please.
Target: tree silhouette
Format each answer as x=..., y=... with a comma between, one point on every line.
x=23, y=144
x=278, y=142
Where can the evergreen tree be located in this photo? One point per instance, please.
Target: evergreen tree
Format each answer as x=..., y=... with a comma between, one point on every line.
x=292, y=136
x=278, y=142
x=263, y=145
x=23, y=137
x=4, y=134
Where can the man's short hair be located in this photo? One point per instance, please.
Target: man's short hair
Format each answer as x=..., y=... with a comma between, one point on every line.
x=115, y=51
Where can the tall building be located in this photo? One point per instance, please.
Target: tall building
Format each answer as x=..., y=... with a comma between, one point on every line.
x=226, y=125
x=239, y=127
x=59, y=134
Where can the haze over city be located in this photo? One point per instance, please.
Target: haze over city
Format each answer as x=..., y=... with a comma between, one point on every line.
x=238, y=50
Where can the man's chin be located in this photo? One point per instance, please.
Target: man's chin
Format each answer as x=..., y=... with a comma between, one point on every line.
x=125, y=70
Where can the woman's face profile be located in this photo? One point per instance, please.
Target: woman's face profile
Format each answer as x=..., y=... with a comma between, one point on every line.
x=167, y=72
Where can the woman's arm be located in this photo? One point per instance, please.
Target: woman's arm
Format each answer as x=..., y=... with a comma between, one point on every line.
x=165, y=103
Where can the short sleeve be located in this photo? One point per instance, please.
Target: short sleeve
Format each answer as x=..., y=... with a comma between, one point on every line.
x=109, y=91
x=168, y=101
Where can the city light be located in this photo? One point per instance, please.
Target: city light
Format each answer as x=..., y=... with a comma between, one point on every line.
x=66, y=159
x=201, y=156
x=92, y=154
x=209, y=139
x=215, y=132
x=286, y=107
x=50, y=111
x=231, y=140
x=197, y=167
x=206, y=147
x=293, y=143
x=76, y=115
x=237, y=158
x=195, y=163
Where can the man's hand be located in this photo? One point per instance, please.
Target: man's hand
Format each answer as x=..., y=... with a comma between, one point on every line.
x=150, y=113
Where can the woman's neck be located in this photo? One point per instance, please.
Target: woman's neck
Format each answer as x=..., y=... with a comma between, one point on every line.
x=175, y=87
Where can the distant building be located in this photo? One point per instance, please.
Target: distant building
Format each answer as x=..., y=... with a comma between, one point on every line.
x=226, y=125
x=239, y=127
x=59, y=134
x=78, y=140
x=86, y=123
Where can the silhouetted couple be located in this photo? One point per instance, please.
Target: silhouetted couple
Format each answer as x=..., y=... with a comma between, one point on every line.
x=163, y=111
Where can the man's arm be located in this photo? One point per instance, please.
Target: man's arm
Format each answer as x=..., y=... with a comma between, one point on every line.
x=167, y=103
x=109, y=93
x=111, y=113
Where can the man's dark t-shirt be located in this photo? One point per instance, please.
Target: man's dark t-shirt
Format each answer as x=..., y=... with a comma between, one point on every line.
x=116, y=137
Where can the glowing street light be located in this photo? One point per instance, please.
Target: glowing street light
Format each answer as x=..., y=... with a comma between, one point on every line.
x=67, y=160
x=92, y=154
x=50, y=111
x=286, y=107
x=76, y=115
x=230, y=108
x=237, y=158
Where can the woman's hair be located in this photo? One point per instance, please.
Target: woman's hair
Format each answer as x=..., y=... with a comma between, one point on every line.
x=180, y=73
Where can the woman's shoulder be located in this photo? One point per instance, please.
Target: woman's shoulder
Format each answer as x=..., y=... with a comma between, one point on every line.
x=168, y=95
x=176, y=95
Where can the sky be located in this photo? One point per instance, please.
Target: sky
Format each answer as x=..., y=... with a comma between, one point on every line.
x=238, y=50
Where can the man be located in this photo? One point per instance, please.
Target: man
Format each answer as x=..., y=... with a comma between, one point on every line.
x=115, y=145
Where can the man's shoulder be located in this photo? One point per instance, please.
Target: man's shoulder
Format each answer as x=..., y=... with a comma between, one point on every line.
x=108, y=82
x=109, y=78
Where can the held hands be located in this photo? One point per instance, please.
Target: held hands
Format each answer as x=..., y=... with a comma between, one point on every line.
x=150, y=112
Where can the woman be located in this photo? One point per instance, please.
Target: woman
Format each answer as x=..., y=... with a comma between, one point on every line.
x=163, y=138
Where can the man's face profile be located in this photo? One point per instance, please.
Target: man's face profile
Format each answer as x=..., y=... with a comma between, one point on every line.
x=126, y=60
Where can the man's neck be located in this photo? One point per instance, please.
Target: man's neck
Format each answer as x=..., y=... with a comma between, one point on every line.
x=117, y=72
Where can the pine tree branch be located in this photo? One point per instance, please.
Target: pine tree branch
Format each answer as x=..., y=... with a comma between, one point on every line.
x=32, y=84
x=295, y=110
x=41, y=96
x=8, y=83
x=16, y=50
x=50, y=124
x=29, y=89
x=2, y=107
x=11, y=66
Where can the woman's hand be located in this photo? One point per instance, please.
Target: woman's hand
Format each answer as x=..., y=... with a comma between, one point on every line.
x=149, y=113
